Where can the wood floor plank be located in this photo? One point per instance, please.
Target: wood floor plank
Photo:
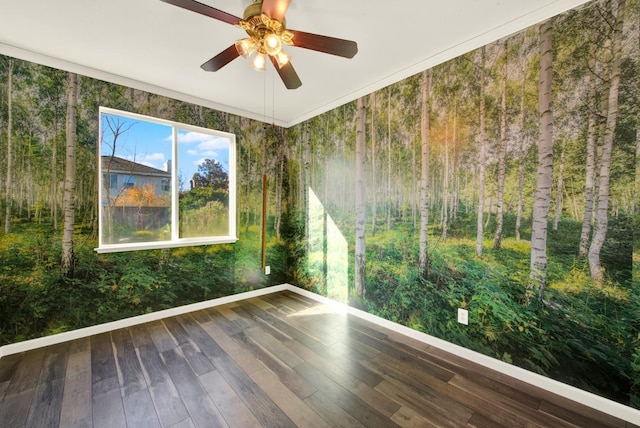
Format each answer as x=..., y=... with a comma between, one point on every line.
x=285, y=373
x=345, y=399
x=498, y=404
x=26, y=374
x=480, y=421
x=392, y=353
x=297, y=335
x=130, y=374
x=46, y=405
x=425, y=404
x=415, y=389
x=348, y=380
x=578, y=414
x=14, y=408
x=195, y=357
x=262, y=324
x=164, y=394
x=139, y=410
x=107, y=406
x=54, y=365
x=140, y=336
x=187, y=423
x=202, y=411
x=290, y=403
x=103, y=363
x=8, y=366
x=329, y=410
x=226, y=345
x=79, y=362
x=3, y=388
x=276, y=348
x=262, y=406
x=108, y=410
x=405, y=417
x=76, y=399
x=80, y=345
x=161, y=337
x=234, y=411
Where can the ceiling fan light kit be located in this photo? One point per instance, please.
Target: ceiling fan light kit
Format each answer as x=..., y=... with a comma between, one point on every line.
x=265, y=25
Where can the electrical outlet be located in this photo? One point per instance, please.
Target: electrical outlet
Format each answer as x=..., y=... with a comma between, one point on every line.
x=463, y=316
x=267, y=270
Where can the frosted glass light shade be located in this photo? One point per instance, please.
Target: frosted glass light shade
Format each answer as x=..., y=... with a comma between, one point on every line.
x=282, y=59
x=259, y=61
x=272, y=44
x=246, y=47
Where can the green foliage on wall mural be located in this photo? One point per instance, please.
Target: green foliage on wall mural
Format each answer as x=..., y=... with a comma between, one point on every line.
x=577, y=329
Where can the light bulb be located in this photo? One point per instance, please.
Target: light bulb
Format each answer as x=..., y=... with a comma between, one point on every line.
x=246, y=47
x=282, y=59
x=272, y=44
x=259, y=61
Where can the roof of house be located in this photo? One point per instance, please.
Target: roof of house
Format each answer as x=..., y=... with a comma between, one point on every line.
x=116, y=164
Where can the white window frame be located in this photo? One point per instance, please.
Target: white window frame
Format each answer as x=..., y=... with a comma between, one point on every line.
x=175, y=240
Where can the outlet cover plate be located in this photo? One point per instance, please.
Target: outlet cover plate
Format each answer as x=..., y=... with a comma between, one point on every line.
x=463, y=316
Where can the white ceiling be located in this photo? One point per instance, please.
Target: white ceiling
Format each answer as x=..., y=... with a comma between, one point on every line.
x=158, y=47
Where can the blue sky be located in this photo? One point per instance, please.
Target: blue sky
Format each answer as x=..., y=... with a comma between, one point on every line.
x=149, y=143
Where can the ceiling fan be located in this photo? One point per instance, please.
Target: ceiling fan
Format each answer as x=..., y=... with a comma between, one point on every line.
x=265, y=25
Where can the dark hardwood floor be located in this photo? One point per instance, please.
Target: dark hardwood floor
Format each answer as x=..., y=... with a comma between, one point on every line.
x=275, y=361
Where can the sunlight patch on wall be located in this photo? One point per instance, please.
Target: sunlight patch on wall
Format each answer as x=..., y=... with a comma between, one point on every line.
x=328, y=257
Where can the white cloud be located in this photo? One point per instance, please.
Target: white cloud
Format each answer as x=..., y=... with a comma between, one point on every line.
x=192, y=152
x=154, y=157
x=198, y=137
x=213, y=143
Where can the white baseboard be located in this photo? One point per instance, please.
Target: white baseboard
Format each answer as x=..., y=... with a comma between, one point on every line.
x=583, y=397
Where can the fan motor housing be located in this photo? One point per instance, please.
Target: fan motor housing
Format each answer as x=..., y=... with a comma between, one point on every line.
x=255, y=9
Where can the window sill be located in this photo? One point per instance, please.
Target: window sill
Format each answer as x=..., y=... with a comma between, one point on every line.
x=189, y=242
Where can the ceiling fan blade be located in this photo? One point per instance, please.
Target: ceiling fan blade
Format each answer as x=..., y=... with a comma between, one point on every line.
x=222, y=59
x=287, y=74
x=275, y=8
x=203, y=9
x=326, y=44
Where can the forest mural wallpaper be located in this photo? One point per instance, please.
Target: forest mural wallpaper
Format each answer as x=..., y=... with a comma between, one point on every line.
x=504, y=182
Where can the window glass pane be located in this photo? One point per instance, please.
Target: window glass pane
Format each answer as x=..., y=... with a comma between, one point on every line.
x=136, y=201
x=164, y=184
x=204, y=184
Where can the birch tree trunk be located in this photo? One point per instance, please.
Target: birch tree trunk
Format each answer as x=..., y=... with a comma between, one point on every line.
x=9, y=164
x=389, y=158
x=585, y=235
x=544, y=176
x=307, y=179
x=601, y=214
x=69, y=175
x=502, y=161
x=279, y=180
x=374, y=201
x=423, y=257
x=560, y=187
x=521, y=155
x=361, y=218
x=444, y=218
x=482, y=159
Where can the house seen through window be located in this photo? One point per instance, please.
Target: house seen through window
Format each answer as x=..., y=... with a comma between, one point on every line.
x=163, y=184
